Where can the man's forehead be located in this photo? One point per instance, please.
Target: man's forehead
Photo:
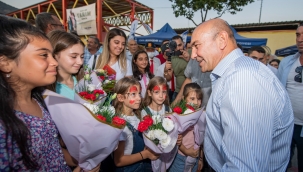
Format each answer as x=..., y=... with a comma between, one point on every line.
x=132, y=41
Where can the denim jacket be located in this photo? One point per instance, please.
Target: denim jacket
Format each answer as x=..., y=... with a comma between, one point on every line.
x=285, y=66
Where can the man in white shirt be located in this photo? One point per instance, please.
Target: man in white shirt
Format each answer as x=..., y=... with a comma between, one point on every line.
x=132, y=48
x=290, y=74
x=153, y=60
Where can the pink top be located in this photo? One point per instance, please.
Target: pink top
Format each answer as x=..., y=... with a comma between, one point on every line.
x=188, y=139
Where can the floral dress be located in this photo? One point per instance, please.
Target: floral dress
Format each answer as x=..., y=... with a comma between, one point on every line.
x=44, y=145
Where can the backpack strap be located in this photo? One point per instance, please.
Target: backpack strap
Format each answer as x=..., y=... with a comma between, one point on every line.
x=94, y=63
x=147, y=110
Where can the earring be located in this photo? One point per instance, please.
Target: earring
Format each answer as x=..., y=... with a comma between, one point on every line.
x=8, y=75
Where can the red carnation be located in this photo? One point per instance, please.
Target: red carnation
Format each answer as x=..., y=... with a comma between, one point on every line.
x=178, y=110
x=102, y=77
x=142, y=126
x=148, y=120
x=98, y=92
x=190, y=107
x=102, y=118
x=83, y=93
x=118, y=121
x=90, y=97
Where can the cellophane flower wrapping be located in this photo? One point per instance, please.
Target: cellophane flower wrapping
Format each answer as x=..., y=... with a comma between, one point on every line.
x=199, y=132
x=89, y=90
x=88, y=139
x=166, y=141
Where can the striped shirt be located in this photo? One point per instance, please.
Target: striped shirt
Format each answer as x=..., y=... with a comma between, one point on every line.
x=249, y=117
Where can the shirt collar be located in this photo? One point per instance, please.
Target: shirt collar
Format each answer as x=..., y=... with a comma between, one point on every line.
x=222, y=66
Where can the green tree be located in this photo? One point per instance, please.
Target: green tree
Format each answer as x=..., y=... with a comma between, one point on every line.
x=187, y=8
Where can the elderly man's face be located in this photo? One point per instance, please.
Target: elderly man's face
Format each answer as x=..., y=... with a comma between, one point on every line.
x=205, y=49
x=132, y=46
x=299, y=38
x=91, y=44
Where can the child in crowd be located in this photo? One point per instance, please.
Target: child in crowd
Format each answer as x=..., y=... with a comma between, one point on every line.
x=141, y=69
x=156, y=97
x=192, y=94
x=131, y=155
x=28, y=135
x=69, y=53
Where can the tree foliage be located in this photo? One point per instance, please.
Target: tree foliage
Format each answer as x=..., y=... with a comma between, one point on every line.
x=187, y=8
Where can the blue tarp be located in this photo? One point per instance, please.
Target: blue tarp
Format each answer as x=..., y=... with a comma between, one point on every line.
x=287, y=51
x=166, y=32
x=247, y=43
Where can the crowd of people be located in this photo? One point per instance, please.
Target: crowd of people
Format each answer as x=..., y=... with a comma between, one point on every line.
x=253, y=103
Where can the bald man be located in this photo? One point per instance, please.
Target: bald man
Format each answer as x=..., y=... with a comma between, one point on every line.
x=249, y=114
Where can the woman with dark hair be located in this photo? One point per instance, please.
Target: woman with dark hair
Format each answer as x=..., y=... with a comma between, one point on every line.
x=113, y=58
x=275, y=63
x=28, y=135
x=69, y=53
x=141, y=72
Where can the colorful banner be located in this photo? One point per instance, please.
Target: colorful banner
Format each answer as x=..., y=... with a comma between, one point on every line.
x=82, y=20
x=184, y=37
x=147, y=28
x=133, y=29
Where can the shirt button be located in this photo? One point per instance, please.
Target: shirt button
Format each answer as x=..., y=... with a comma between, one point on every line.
x=55, y=135
x=48, y=121
x=64, y=162
x=60, y=151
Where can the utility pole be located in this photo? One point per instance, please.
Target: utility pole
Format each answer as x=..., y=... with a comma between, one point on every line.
x=260, y=11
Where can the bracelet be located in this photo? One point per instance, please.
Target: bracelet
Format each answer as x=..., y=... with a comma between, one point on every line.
x=141, y=154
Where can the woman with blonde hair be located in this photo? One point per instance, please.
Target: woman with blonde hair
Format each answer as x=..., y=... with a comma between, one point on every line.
x=268, y=56
x=113, y=58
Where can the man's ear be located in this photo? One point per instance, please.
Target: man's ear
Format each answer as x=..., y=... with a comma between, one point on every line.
x=222, y=39
x=5, y=64
x=120, y=98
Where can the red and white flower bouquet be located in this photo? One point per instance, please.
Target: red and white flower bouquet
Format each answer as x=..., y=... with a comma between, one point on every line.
x=89, y=89
x=160, y=135
x=90, y=132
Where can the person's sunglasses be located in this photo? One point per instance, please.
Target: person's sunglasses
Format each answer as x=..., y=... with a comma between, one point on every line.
x=298, y=77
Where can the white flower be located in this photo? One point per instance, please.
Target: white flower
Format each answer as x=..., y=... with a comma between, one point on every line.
x=188, y=111
x=106, y=81
x=168, y=124
x=93, y=108
x=151, y=135
x=91, y=87
x=86, y=77
x=165, y=142
x=160, y=134
x=156, y=119
x=110, y=109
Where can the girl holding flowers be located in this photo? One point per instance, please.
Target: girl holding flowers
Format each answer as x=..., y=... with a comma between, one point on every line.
x=141, y=70
x=156, y=97
x=131, y=155
x=69, y=53
x=193, y=97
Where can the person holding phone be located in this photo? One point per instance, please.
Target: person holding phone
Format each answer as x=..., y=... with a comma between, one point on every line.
x=179, y=62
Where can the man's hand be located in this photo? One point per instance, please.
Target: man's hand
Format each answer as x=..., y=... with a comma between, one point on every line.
x=185, y=55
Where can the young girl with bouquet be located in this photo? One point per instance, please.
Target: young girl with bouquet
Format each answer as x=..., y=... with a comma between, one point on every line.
x=192, y=95
x=156, y=98
x=131, y=154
